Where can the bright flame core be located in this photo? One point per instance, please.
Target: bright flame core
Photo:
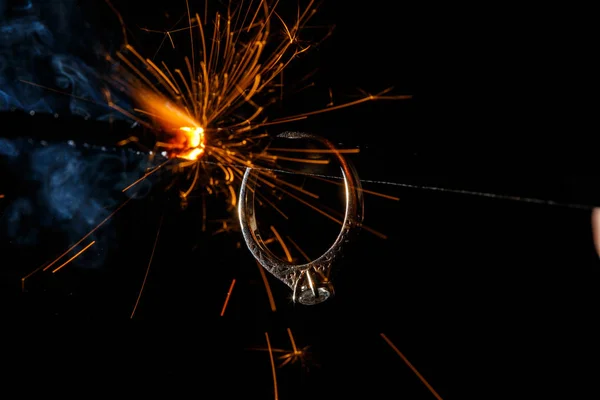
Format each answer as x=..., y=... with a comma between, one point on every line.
x=195, y=139
x=186, y=136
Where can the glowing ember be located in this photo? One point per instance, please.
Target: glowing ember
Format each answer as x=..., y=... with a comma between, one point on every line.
x=215, y=102
x=186, y=136
x=195, y=140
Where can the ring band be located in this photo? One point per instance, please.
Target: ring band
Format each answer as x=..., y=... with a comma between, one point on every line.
x=310, y=282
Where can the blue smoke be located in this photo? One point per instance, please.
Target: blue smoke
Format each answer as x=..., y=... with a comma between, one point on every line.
x=51, y=60
x=8, y=149
x=70, y=191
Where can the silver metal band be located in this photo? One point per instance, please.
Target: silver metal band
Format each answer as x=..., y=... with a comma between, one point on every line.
x=310, y=282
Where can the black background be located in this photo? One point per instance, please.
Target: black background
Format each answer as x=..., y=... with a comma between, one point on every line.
x=486, y=297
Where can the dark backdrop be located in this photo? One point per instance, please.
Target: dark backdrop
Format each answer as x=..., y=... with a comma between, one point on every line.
x=485, y=296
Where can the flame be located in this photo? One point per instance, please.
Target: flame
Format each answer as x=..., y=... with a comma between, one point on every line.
x=215, y=100
x=195, y=137
x=186, y=136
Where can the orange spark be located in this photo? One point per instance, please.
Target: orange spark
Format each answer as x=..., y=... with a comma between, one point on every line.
x=87, y=235
x=267, y=286
x=137, y=301
x=292, y=340
x=28, y=275
x=288, y=255
x=317, y=151
x=186, y=135
x=306, y=257
x=128, y=140
x=80, y=252
x=295, y=355
x=146, y=175
x=227, y=298
x=389, y=342
x=272, y=366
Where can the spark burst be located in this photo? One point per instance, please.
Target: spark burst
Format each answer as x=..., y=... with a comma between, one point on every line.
x=211, y=117
x=212, y=114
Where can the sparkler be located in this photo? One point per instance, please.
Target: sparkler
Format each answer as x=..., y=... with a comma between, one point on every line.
x=211, y=120
x=204, y=168
x=211, y=116
x=213, y=113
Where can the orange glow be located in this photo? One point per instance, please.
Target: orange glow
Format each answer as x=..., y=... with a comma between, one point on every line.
x=227, y=298
x=187, y=136
x=214, y=104
x=393, y=346
x=74, y=257
x=195, y=138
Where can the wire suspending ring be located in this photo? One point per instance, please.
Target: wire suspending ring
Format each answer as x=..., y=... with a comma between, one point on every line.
x=309, y=282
